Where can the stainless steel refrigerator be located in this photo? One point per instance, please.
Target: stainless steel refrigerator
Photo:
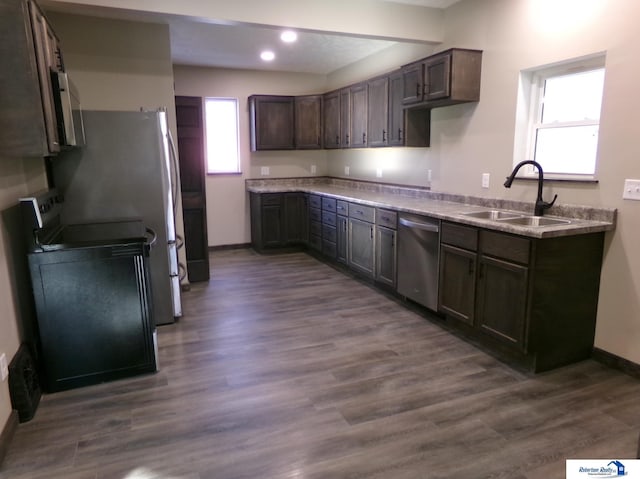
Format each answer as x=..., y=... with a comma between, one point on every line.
x=128, y=170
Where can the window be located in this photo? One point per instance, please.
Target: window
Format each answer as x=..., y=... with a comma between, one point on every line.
x=563, y=119
x=221, y=133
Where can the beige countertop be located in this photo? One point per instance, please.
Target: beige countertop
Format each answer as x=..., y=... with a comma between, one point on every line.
x=421, y=201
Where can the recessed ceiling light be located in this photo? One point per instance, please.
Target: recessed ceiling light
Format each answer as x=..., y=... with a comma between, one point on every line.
x=288, y=36
x=267, y=55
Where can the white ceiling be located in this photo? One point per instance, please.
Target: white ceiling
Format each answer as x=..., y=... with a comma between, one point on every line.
x=239, y=46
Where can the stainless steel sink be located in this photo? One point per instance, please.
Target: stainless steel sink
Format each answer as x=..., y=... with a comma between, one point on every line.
x=535, y=221
x=492, y=214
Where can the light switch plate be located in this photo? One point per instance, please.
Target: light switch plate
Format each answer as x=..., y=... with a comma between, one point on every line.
x=485, y=180
x=378, y=172
x=631, y=190
x=346, y=170
x=4, y=369
x=313, y=169
x=264, y=171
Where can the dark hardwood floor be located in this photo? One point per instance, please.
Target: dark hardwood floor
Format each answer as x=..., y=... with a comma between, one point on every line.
x=283, y=367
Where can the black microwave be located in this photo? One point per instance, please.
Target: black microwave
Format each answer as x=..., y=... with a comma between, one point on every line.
x=68, y=111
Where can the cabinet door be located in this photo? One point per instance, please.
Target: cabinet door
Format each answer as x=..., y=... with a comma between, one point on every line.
x=457, y=283
x=359, y=99
x=48, y=59
x=308, y=118
x=378, y=114
x=437, y=77
x=395, y=133
x=272, y=226
x=502, y=300
x=413, y=79
x=342, y=241
x=331, y=119
x=361, y=246
x=296, y=221
x=345, y=118
x=272, y=122
x=386, y=255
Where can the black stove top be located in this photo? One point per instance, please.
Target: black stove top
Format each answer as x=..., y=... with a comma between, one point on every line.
x=45, y=232
x=84, y=235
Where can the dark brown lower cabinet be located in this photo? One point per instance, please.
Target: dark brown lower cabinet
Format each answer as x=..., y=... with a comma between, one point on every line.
x=278, y=220
x=533, y=301
x=502, y=300
x=457, y=289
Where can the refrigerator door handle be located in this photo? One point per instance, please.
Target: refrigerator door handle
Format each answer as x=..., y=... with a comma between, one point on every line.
x=175, y=174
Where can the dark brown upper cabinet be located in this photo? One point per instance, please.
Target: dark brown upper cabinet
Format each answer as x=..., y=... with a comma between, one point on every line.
x=447, y=78
x=331, y=119
x=308, y=122
x=389, y=110
x=272, y=122
x=378, y=114
x=345, y=117
x=30, y=52
x=359, y=107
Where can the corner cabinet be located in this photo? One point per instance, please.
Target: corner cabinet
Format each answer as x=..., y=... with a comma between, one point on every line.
x=278, y=220
x=308, y=122
x=444, y=79
x=533, y=301
x=30, y=52
x=272, y=122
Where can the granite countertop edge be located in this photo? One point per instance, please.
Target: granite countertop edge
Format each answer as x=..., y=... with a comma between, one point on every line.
x=449, y=207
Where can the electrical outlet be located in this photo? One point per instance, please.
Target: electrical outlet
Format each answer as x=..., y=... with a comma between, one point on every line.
x=378, y=172
x=4, y=369
x=631, y=190
x=264, y=171
x=485, y=180
x=346, y=170
x=313, y=169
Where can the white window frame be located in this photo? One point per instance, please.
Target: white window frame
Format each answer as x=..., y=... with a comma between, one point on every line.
x=210, y=162
x=529, y=113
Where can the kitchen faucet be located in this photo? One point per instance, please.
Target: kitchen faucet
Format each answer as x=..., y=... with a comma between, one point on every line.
x=541, y=205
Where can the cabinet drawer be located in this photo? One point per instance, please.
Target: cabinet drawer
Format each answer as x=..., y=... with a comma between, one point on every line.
x=329, y=204
x=461, y=236
x=329, y=233
x=315, y=242
x=329, y=249
x=315, y=201
x=386, y=218
x=270, y=199
x=315, y=214
x=328, y=218
x=364, y=213
x=499, y=245
x=342, y=208
x=315, y=228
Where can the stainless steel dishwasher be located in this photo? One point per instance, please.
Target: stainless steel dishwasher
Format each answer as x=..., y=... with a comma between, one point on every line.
x=418, y=257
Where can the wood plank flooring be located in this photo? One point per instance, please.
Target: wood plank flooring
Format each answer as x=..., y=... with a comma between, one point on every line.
x=283, y=367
